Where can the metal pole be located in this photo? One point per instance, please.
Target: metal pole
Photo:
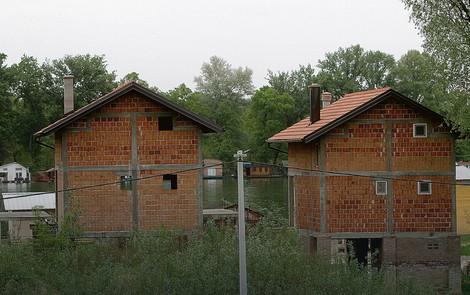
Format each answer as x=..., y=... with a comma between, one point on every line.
x=241, y=224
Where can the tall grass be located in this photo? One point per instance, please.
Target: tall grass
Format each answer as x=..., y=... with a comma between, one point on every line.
x=166, y=263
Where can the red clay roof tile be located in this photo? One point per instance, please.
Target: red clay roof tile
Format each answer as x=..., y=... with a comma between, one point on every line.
x=343, y=106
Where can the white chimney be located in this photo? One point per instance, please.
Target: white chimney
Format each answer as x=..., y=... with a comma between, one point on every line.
x=314, y=103
x=326, y=99
x=68, y=94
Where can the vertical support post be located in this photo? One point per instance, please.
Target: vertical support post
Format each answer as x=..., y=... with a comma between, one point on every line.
x=241, y=224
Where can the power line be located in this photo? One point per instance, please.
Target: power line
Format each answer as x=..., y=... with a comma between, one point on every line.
x=361, y=175
x=118, y=182
x=229, y=162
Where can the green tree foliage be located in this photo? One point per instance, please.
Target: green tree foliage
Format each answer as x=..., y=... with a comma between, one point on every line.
x=418, y=77
x=353, y=69
x=294, y=83
x=7, y=115
x=185, y=97
x=91, y=77
x=219, y=81
x=30, y=107
x=134, y=76
x=445, y=26
x=378, y=70
x=267, y=115
x=225, y=90
x=31, y=97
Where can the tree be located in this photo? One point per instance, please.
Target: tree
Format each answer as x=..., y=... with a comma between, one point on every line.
x=91, y=77
x=38, y=98
x=6, y=110
x=352, y=69
x=294, y=83
x=220, y=81
x=225, y=90
x=340, y=71
x=378, y=70
x=29, y=106
x=134, y=76
x=418, y=77
x=188, y=99
x=267, y=115
x=445, y=26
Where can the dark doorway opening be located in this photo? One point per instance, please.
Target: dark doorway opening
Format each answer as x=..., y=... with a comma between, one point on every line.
x=366, y=251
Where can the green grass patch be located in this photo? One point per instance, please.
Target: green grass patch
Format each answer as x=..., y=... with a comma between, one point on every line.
x=465, y=245
x=465, y=285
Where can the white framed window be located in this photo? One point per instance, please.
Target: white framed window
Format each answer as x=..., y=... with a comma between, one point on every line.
x=381, y=187
x=424, y=187
x=420, y=130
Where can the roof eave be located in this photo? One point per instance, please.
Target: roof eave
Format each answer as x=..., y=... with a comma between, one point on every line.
x=206, y=126
x=370, y=104
x=285, y=140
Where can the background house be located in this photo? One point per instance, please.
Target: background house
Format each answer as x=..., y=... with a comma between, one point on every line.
x=462, y=177
x=14, y=172
x=464, y=164
x=213, y=169
x=20, y=212
x=146, y=148
x=258, y=170
x=374, y=169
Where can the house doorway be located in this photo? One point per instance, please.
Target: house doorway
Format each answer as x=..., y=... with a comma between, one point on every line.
x=366, y=251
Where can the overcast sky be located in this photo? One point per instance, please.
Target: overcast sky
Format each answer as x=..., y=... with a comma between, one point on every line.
x=167, y=41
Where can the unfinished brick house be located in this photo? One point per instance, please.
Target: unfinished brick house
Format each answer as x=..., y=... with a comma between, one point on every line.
x=374, y=169
x=144, y=147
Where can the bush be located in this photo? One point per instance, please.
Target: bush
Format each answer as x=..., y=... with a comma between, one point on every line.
x=168, y=263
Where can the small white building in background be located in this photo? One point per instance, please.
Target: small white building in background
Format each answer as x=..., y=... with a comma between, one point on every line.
x=20, y=213
x=14, y=172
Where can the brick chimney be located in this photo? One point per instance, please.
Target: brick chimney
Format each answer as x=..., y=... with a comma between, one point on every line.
x=326, y=98
x=68, y=94
x=314, y=103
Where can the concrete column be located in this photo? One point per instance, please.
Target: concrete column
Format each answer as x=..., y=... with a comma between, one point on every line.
x=388, y=256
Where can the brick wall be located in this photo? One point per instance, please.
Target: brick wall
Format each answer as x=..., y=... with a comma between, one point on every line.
x=365, y=142
x=413, y=212
x=307, y=197
x=168, y=208
x=302, y=156
x=420, y=153
x=434, y=262
x=123, y=138
x=377, y=145
x=352, y=205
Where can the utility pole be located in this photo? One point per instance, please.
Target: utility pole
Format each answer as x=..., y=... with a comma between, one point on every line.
x=241, y=224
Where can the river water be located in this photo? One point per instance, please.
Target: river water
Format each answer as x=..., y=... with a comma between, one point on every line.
x=260, y=193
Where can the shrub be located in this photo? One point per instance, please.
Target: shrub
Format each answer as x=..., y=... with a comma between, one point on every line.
x=202, y=263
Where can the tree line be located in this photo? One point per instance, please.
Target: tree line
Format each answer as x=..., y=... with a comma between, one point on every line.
x=31, y=97
x=438, y=78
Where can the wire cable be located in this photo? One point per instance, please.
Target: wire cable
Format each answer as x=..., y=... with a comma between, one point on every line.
x=116, y=182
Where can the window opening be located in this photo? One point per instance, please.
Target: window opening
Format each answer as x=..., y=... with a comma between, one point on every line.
x=420, y=130
x=126, y=182
x=424, y=187
x=381, y=187
x=170, y=182
x=165, y=123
